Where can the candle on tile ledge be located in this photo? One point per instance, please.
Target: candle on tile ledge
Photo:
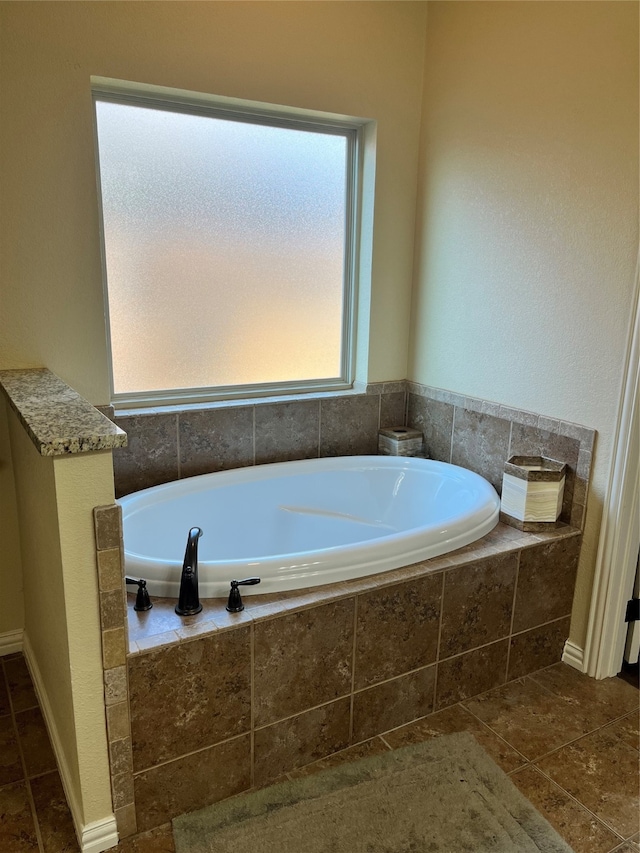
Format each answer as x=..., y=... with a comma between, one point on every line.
x=532, y=492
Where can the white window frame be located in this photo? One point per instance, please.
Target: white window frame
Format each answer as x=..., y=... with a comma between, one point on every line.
x=357, y=132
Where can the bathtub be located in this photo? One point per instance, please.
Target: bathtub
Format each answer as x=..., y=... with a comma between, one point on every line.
x=303, y=524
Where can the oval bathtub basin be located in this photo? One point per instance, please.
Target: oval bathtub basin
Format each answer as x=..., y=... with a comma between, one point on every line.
x=302, y=524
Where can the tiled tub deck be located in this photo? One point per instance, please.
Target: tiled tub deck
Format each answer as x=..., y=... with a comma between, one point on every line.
x=220, y=703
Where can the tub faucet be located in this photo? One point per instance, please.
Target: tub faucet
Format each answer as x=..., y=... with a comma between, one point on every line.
x=188, y=600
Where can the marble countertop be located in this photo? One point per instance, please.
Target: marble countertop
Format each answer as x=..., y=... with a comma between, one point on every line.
x=57, y=419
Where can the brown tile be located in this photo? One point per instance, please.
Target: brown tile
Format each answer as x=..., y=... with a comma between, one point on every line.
x=481, y=443
x=407, y=616
x=113, y=648
x=393, y=703
x=23, y=696
x=601, y=771
x=215, y=440
x=535, y=649
x=530, y=718
x=34, y=741
x=54, y=818
x=193, y=782
x=151, y=456
x=17, y=829
x=349, y=425
x=286, y=431
x=300, y=740
x=111, y=610
x=158, y=840
x=160, y=619
x=110, y=571
x=122, y=789
x=627, y=730
x=600, y=700
x=435, y=420
x=392, y=409
x=118, y=721
x=108, y=525
x=126, y=820
x=201, y=691
x=477, y=604
x=120, y=756
x=375, y=746
x=115, y=685
x=302, y=660
x=579, y=828
x=470, y=674
x=457, y=719
x=546, y=581
x=10, y=762
x=169, y=638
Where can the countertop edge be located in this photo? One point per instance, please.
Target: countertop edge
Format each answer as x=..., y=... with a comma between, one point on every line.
x=56, y=418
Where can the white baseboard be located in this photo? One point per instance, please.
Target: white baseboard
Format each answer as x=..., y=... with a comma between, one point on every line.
x=99, y=835
x=93, y=837
x=573, y=656
x=10, y=642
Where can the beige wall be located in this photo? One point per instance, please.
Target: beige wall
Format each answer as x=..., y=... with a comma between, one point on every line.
x=55, y=497
x=527, y=230
x=361, y=59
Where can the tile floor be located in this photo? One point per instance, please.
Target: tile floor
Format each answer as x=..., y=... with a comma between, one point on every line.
x=568, y=742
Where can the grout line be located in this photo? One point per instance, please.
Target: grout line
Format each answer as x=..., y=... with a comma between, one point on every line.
x=453, y=430
x=319, y=427
x=178, y=445
x=440, y=620
x=189, y=754
x=578, y=802
x=253, y=433
x=36, y=822
x=353, y=665
x=513, y=612
x=252, y=709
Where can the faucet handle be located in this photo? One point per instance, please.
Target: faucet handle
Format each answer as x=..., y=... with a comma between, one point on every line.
x=143, y=602
x=234, y=604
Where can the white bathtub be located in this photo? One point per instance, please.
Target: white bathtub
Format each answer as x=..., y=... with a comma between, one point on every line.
x=302, y=524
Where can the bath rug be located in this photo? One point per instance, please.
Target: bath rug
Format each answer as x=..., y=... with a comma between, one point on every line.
x=441, y=796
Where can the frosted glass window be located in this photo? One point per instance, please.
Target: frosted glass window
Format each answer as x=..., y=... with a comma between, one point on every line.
x=226, y=246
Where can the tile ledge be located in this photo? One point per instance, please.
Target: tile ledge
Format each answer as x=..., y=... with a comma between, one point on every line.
x=261, y=608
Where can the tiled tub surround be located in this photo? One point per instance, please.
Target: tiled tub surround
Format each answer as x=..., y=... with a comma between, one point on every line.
x=221, y=703
x=166, y=445
x=481, y=435
x=477, y=434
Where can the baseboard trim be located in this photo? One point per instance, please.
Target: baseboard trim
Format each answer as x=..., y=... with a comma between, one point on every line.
x=99, y=835
x=93, y=837
x=573, y=655
x=11, y=642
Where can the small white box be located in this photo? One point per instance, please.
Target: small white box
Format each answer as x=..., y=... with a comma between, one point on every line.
x=400, y=441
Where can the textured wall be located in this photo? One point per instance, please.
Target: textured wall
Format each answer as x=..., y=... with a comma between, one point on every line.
x=527, y=228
